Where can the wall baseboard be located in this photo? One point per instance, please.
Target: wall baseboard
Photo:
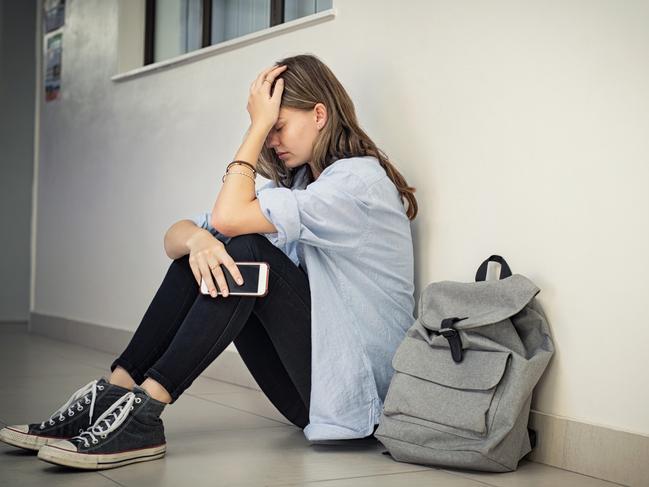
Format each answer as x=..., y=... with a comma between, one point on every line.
x=588, y=449
x=594, y=450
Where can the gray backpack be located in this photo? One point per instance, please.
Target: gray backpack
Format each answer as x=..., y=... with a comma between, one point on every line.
x=464, y=374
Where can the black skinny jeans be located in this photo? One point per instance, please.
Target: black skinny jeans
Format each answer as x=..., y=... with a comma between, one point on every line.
x=183, y=330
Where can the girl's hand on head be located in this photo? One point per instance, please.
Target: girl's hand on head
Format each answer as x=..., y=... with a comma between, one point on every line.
x=262, y=107
x=206, y=254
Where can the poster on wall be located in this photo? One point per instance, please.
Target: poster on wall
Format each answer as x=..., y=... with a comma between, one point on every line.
x=53, y=66
x=54, y=15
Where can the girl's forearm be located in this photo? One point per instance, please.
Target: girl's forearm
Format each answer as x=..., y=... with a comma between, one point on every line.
x=239, y=190
x=178, y=237
x=252, y=144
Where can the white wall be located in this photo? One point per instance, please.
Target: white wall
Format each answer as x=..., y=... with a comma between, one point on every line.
x=522, y=124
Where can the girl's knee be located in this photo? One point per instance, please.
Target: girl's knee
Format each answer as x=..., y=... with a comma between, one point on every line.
x=182, y=261
x=243, y=247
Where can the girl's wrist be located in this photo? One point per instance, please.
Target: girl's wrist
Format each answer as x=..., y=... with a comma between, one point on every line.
x=259, y=129
x=252, y=145
x=198, y=234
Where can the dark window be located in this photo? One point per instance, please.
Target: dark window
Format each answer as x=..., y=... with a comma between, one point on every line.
x=174, y=27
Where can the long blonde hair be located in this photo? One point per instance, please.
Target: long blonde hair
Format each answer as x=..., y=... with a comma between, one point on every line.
x=308, y=81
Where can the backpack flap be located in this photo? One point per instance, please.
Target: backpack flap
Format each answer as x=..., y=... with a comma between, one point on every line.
x=475, y=304
x=416, y=358
x=429, y=385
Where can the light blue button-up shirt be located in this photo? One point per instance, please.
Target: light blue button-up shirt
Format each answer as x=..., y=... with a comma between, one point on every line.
x=350, y=232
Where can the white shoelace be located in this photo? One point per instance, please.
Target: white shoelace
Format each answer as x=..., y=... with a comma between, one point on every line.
x=75, y=400
x=119, y=411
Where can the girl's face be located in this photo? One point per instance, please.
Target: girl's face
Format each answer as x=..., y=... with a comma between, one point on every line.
x=294, y=134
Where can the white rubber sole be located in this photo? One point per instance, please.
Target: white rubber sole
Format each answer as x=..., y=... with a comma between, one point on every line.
x=61, y=453
x=18, y=436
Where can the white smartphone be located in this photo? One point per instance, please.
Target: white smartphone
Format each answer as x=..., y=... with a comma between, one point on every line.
x=255, y=280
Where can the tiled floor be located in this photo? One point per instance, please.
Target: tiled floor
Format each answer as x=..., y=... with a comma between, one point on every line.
x=217, y=434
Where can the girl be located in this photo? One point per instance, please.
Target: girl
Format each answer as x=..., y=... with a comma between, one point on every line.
x=331, y=223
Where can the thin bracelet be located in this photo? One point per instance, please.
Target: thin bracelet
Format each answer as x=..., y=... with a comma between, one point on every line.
x=254, y=175
x=254, y=171
x=233, y=172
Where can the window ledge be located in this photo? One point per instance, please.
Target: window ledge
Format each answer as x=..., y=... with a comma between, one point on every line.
x=228, y=45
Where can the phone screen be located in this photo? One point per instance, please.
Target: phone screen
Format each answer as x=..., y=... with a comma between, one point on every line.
x=250, y=274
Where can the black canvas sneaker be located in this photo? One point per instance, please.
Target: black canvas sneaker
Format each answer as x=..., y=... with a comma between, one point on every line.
x=129, y=431
x=79, y=412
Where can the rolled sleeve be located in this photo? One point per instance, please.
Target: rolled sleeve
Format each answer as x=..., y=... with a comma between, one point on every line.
x=323, y=215
x=280, y=208
x=203, y=221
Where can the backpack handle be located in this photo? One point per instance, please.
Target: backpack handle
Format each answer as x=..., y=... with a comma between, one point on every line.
x=505, y=271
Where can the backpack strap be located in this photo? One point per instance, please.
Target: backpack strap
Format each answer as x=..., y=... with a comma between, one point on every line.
x=448, y=331
x=505, y=271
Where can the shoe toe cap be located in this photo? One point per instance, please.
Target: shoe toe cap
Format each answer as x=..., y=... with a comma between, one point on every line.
x=18, y=435
x=20, y=428
x=64, y=445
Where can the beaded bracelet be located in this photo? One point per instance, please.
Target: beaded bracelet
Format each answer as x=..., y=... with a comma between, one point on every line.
x=254, y=171
x=234, y=172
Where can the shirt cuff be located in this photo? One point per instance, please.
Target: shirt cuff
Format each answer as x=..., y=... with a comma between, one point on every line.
x=279, y=206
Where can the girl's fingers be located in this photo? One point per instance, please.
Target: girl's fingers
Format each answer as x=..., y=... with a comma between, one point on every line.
x=279, y=89
x=207, y=276
x=215, y=269
x=265, y=73
x=274, y=74
x=196, y=271
x=256, y=83
x=220, y=280
x=272, y=78
x=260, y=78
x=215, y=266
x=229, y=264
x=270, y=74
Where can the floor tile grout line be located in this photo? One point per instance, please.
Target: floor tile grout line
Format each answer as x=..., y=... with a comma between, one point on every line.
x=222, y=393
x=33, y=376
x=230, y=383
x=172, y=435
x=88, y=364
x=238, y=409
x=93, y=365
x=75, y=362
x=582, y=474
x=70, y=344
x=422, y=469
x=246, y=388
x=578, y=473
x=280, y=423
x=465, y=476
x=108, y=478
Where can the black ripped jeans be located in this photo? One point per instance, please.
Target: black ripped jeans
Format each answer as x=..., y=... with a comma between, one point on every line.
x=183, y=330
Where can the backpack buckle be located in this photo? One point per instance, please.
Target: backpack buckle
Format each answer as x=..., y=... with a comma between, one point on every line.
x=448, y=331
